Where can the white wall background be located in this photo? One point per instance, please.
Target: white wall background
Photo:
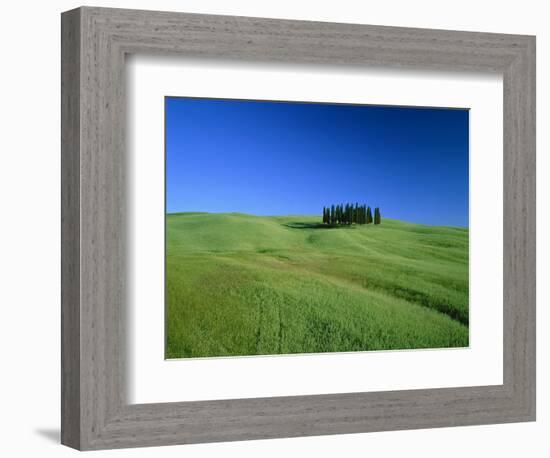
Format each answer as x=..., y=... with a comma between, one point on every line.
x=30, y=245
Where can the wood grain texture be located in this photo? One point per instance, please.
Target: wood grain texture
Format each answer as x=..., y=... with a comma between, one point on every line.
x=70, y=229
x=95, y=412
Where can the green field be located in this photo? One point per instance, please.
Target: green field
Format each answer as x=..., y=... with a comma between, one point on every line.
x=240, y=284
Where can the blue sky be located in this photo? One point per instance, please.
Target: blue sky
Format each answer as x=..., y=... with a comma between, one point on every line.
x=283, y=158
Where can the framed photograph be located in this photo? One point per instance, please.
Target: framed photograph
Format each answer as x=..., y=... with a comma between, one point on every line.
x=279, y=228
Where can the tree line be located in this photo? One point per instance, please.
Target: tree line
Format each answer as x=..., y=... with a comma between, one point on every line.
x=350, y=214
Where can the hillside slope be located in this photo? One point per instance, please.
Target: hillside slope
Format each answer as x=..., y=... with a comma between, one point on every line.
x=240, y=284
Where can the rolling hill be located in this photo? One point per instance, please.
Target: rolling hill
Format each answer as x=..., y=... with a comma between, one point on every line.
x=239, y=284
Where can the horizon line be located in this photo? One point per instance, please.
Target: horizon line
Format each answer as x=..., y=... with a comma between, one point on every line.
x=304, y=214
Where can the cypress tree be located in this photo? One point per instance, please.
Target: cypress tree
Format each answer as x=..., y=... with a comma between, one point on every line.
x=377, y=216
x=332, y=216
x=346, y=214
x=369, y=216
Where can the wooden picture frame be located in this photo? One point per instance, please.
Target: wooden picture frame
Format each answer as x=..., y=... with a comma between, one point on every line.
x=95, y=411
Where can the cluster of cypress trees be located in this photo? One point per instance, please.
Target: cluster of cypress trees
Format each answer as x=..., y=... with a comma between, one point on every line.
x=350, y=214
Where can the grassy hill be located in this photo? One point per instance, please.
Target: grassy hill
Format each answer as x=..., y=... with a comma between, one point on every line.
x=240, y=284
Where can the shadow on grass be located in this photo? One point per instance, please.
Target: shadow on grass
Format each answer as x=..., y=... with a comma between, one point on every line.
x=303, y=225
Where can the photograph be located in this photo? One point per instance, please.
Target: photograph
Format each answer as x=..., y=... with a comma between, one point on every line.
x=313, y=227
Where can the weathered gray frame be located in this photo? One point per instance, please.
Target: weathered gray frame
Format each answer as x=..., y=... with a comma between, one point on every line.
x=95, y=414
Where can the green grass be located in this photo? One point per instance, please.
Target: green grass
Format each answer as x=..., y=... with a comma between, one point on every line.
x=240, y=284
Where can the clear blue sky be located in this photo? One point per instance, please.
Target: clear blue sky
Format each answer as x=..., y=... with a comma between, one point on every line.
x=288, y=158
